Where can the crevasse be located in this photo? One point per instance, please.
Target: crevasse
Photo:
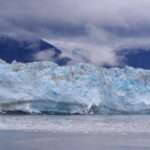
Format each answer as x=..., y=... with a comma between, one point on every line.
x=44, y=87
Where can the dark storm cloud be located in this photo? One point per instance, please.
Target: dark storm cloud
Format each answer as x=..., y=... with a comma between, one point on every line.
x=96, y=27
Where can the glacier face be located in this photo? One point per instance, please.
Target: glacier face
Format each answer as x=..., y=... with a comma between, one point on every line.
x=44, y=87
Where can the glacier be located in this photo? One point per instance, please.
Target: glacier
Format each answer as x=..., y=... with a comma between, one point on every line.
x=46, y=88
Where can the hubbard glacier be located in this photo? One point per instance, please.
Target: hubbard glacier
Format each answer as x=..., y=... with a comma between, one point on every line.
x=46, y=88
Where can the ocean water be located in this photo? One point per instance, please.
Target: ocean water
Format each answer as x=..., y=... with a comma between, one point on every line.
x=74, y=132
x=112, y=124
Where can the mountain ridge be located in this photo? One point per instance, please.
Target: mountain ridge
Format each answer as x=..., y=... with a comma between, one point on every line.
x=25, y=50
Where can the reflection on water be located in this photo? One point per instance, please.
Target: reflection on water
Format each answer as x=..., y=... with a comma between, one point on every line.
x=77, y=124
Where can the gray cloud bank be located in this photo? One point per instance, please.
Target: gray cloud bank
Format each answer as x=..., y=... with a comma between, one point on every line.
x=86, y=30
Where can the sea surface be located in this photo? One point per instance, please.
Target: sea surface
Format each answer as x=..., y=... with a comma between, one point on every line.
x=122, y=124
x=79, y=132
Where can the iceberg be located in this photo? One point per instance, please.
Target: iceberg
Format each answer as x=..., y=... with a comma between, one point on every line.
x=46, y=88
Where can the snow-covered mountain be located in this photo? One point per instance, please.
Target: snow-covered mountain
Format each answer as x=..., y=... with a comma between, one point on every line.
x=45, y=87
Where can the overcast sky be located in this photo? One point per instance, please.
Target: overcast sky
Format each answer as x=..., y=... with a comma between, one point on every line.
x=88, y=28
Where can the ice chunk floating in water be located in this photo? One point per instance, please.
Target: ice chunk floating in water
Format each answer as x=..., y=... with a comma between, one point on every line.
x=107, y=124
x=44, y=87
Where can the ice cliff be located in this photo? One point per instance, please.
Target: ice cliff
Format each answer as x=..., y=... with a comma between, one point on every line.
x=44, y=87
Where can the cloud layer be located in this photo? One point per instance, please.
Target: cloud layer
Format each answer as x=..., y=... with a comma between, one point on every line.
x=88, y=29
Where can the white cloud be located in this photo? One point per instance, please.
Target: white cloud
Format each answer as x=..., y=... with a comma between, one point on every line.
x=91, y=28
x=83, y=52
x=46, y=55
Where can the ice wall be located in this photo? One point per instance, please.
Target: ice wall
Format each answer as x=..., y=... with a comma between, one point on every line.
x=44, y=87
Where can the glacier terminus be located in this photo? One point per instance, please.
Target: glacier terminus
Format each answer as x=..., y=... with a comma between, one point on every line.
x=46, y=88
